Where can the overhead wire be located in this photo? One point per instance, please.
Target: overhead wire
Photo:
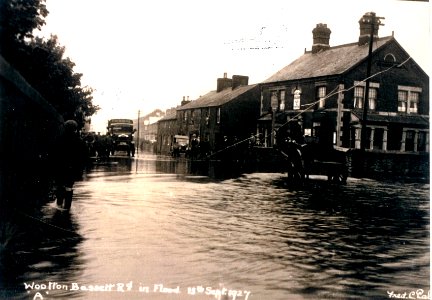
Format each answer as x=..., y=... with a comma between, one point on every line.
x=334, y=92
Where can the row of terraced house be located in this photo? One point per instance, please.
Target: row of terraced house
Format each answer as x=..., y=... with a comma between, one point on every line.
x=323, y=87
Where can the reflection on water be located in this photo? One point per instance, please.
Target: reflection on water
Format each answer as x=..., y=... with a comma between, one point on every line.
x=158, y=225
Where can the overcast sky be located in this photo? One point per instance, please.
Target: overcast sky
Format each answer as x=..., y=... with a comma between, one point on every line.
x=143, y=55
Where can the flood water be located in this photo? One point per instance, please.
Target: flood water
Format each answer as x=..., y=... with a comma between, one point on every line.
x=155, y=228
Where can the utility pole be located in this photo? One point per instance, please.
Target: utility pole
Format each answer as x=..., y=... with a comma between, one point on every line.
x=138, y=132
x=374, y=22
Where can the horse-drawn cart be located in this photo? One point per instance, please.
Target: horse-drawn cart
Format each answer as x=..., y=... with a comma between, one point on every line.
x=311, y=158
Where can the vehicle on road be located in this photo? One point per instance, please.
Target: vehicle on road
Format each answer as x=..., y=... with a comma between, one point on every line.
x=121, y=132
x=180, y=144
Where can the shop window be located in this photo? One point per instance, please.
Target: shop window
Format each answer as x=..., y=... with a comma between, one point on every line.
x=394, y=138
x=368, y=137
x=378, y=138
x=421, y=141
x=409, y=140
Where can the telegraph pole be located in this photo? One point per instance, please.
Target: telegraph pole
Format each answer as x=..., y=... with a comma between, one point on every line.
x=138, y=132
x=374, y=22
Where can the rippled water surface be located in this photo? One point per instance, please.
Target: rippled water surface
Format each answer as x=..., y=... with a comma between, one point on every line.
x=159, y=227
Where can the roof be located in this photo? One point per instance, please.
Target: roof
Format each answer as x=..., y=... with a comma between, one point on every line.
x=214, y=98
x=412, y=119
x=333, y=61
x=169, y=116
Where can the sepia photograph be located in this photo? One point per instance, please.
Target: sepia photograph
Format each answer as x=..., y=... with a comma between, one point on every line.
x=225, y=150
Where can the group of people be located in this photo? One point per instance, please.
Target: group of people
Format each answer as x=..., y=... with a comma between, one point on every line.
x=98, y=145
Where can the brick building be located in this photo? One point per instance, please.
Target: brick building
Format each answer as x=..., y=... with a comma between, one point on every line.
x=166, y=130
x=326, y=86
x=229, y=112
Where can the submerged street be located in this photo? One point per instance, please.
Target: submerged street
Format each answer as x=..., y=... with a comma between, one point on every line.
x=154, y=227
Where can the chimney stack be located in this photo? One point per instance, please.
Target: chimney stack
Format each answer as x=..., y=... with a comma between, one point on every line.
x=223, y=83
x=184, y=101
x=239, y=80
x=321, y=38
x=366, y=27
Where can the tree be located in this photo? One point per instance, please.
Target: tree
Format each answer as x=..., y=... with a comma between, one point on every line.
x=41, y=61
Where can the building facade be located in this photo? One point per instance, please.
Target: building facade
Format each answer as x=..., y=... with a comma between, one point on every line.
x=146, y=127
x=323, y=91
x=166, y=130
x=222, y=116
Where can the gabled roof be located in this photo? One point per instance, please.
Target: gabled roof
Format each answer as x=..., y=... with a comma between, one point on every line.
x=333, y=61
x=214, y=98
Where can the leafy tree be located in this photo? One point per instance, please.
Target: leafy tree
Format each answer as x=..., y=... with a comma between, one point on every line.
x=41, y=61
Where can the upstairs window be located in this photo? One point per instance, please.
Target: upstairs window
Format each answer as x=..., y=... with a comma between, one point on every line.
x=282, y=101
x=408, y=99
x=192, y=119
x=360, y=92
x=218, y=115
x=358, y=96
x=321, y=93
x=413, y=102
x=402, y=101
x=277, y=100
x=372, y=98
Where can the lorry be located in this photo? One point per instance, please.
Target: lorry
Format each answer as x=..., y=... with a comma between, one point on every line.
x=121, y=132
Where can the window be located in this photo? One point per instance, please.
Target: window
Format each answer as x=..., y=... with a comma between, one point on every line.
x=321, y=93
x=409, y=140
x=372, y=98
x=282, y=101
x=360, y=92
x=358, y=97
x=297, y=99
x=421, y=142
x=277, y=100
x=413, y=102
x=408, y=99
x=378, y=138
x=207, y=118
x=402, y=101
x=218, y=116
x=192, y=119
